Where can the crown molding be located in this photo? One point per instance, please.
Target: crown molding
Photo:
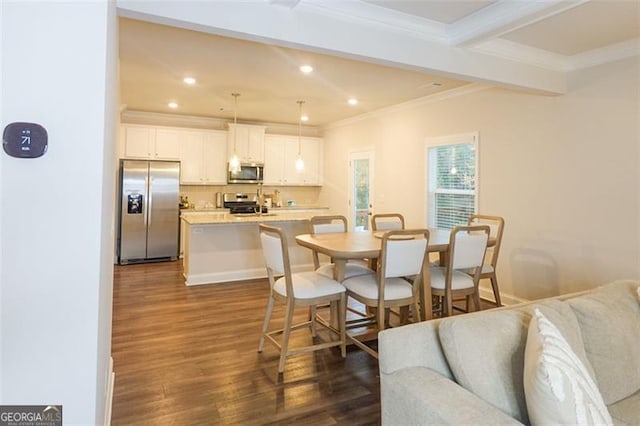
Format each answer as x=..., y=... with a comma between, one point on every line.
x=415, y=103
x=510, y=50
x=502, y=17
x=370, y=14
x=513, y=51
x=210, y=123
x=614, y=52
x=178, y=120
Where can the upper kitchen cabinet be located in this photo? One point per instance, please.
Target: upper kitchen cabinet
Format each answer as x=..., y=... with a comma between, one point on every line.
x=203, y=156
x=150, y=143
x=249, y=145
x=281, y=153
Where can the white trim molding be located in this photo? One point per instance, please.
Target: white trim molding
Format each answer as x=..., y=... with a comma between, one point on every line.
x=502, y=17
x=111, y=379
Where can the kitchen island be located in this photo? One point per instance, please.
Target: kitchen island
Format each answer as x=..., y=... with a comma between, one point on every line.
x=222, y=247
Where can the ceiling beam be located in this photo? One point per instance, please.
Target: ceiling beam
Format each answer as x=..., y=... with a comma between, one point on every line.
x=287, y=3
x=322, y=30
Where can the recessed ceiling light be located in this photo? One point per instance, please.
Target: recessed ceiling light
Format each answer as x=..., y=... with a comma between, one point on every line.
x=173, y=105
x=189, y=80
x=306, y=69
x=304, y=117
x=352, y=101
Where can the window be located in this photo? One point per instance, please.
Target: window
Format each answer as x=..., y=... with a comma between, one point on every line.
x=451, y=180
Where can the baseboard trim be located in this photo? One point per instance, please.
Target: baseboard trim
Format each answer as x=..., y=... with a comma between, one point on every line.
x=110, y=387
x=506, y=299
x=240, y=275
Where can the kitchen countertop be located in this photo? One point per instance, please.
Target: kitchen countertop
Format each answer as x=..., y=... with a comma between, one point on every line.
x=271, y=209
x=213, y=218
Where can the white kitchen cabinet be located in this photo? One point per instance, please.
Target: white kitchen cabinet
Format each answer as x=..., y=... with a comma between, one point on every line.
x=203, y=157
x=249, y=145
x=274, y=160
x=281, y=153
x=312, y=149
x=215, y=157
x=150, y=143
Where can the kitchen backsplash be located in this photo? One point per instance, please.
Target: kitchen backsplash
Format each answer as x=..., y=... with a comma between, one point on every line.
x=205, y=196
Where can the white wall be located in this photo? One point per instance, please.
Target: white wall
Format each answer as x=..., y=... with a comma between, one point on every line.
x=563, y=171
x=1, y=185
x=58, y=70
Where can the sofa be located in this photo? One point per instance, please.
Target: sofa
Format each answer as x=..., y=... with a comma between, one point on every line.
x=470, y=369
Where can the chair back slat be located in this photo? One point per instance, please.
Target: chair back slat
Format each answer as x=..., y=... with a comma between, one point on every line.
x=496, y=225
x=323, y=228
x=272, y=252
x=469, y=246
x=328, y=223
x=404, y=257
x=384, y=225
x=387, y=221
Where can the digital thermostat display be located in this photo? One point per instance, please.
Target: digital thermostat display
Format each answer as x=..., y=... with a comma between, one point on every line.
x=25, y=140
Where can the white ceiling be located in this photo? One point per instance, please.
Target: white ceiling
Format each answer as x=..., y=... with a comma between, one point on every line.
x=538, y=37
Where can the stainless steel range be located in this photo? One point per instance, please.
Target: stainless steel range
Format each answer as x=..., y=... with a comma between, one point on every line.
x=241, y=203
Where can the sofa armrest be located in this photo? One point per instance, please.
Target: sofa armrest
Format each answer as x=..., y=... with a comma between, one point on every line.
x=419, y=396
x=413, y=345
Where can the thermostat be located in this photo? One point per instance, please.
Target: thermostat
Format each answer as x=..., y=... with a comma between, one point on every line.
x=25, y=140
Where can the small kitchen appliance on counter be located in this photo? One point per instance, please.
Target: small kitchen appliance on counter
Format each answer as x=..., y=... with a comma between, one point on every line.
x=241, y=203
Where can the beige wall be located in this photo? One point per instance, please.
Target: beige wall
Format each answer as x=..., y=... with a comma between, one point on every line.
x=562, y=171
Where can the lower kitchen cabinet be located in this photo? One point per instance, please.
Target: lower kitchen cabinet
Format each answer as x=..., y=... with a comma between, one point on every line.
x=203, y=157
x=281, y=153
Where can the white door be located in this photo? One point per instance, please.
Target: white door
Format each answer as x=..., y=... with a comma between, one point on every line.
x=361, y=189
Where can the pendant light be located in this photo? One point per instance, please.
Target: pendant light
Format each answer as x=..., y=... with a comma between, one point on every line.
x=234, y=163
x=300, y=161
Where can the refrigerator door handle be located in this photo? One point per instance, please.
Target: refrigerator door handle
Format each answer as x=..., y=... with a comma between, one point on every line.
x=147, y=215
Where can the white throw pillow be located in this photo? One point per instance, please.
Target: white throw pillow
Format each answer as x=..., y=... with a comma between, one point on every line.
x=558, y=389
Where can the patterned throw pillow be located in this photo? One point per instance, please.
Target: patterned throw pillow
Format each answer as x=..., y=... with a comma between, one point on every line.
x=558, y=389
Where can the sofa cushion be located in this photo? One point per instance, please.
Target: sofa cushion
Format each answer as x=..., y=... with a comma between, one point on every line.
x=405, y=402
x=626, y=411
x=609, y=319
x=485, y=351
x=412, y=345
x=557, y=386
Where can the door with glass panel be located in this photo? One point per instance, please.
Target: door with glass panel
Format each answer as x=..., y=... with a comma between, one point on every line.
x=361, y=189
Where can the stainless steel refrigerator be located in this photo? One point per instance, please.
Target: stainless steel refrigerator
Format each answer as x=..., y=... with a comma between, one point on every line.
x=149, y=223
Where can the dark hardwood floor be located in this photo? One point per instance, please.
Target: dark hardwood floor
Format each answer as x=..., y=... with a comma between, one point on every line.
x=188, y=356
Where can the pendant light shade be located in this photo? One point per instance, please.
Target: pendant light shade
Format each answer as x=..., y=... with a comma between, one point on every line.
x=300, y=161
x=234, y=162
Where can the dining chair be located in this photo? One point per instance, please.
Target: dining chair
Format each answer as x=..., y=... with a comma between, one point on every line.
x=403, y=257
x=496, y=225
x=387, y=221
x=467, y=247
x=297, y=289
x=335, y=223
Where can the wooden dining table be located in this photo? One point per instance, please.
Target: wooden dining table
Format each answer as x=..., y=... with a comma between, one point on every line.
x=344, y=246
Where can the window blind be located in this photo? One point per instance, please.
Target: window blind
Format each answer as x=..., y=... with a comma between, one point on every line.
x=452, y=184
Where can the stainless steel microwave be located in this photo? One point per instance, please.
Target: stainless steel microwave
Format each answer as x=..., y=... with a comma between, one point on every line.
x=249, y=173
